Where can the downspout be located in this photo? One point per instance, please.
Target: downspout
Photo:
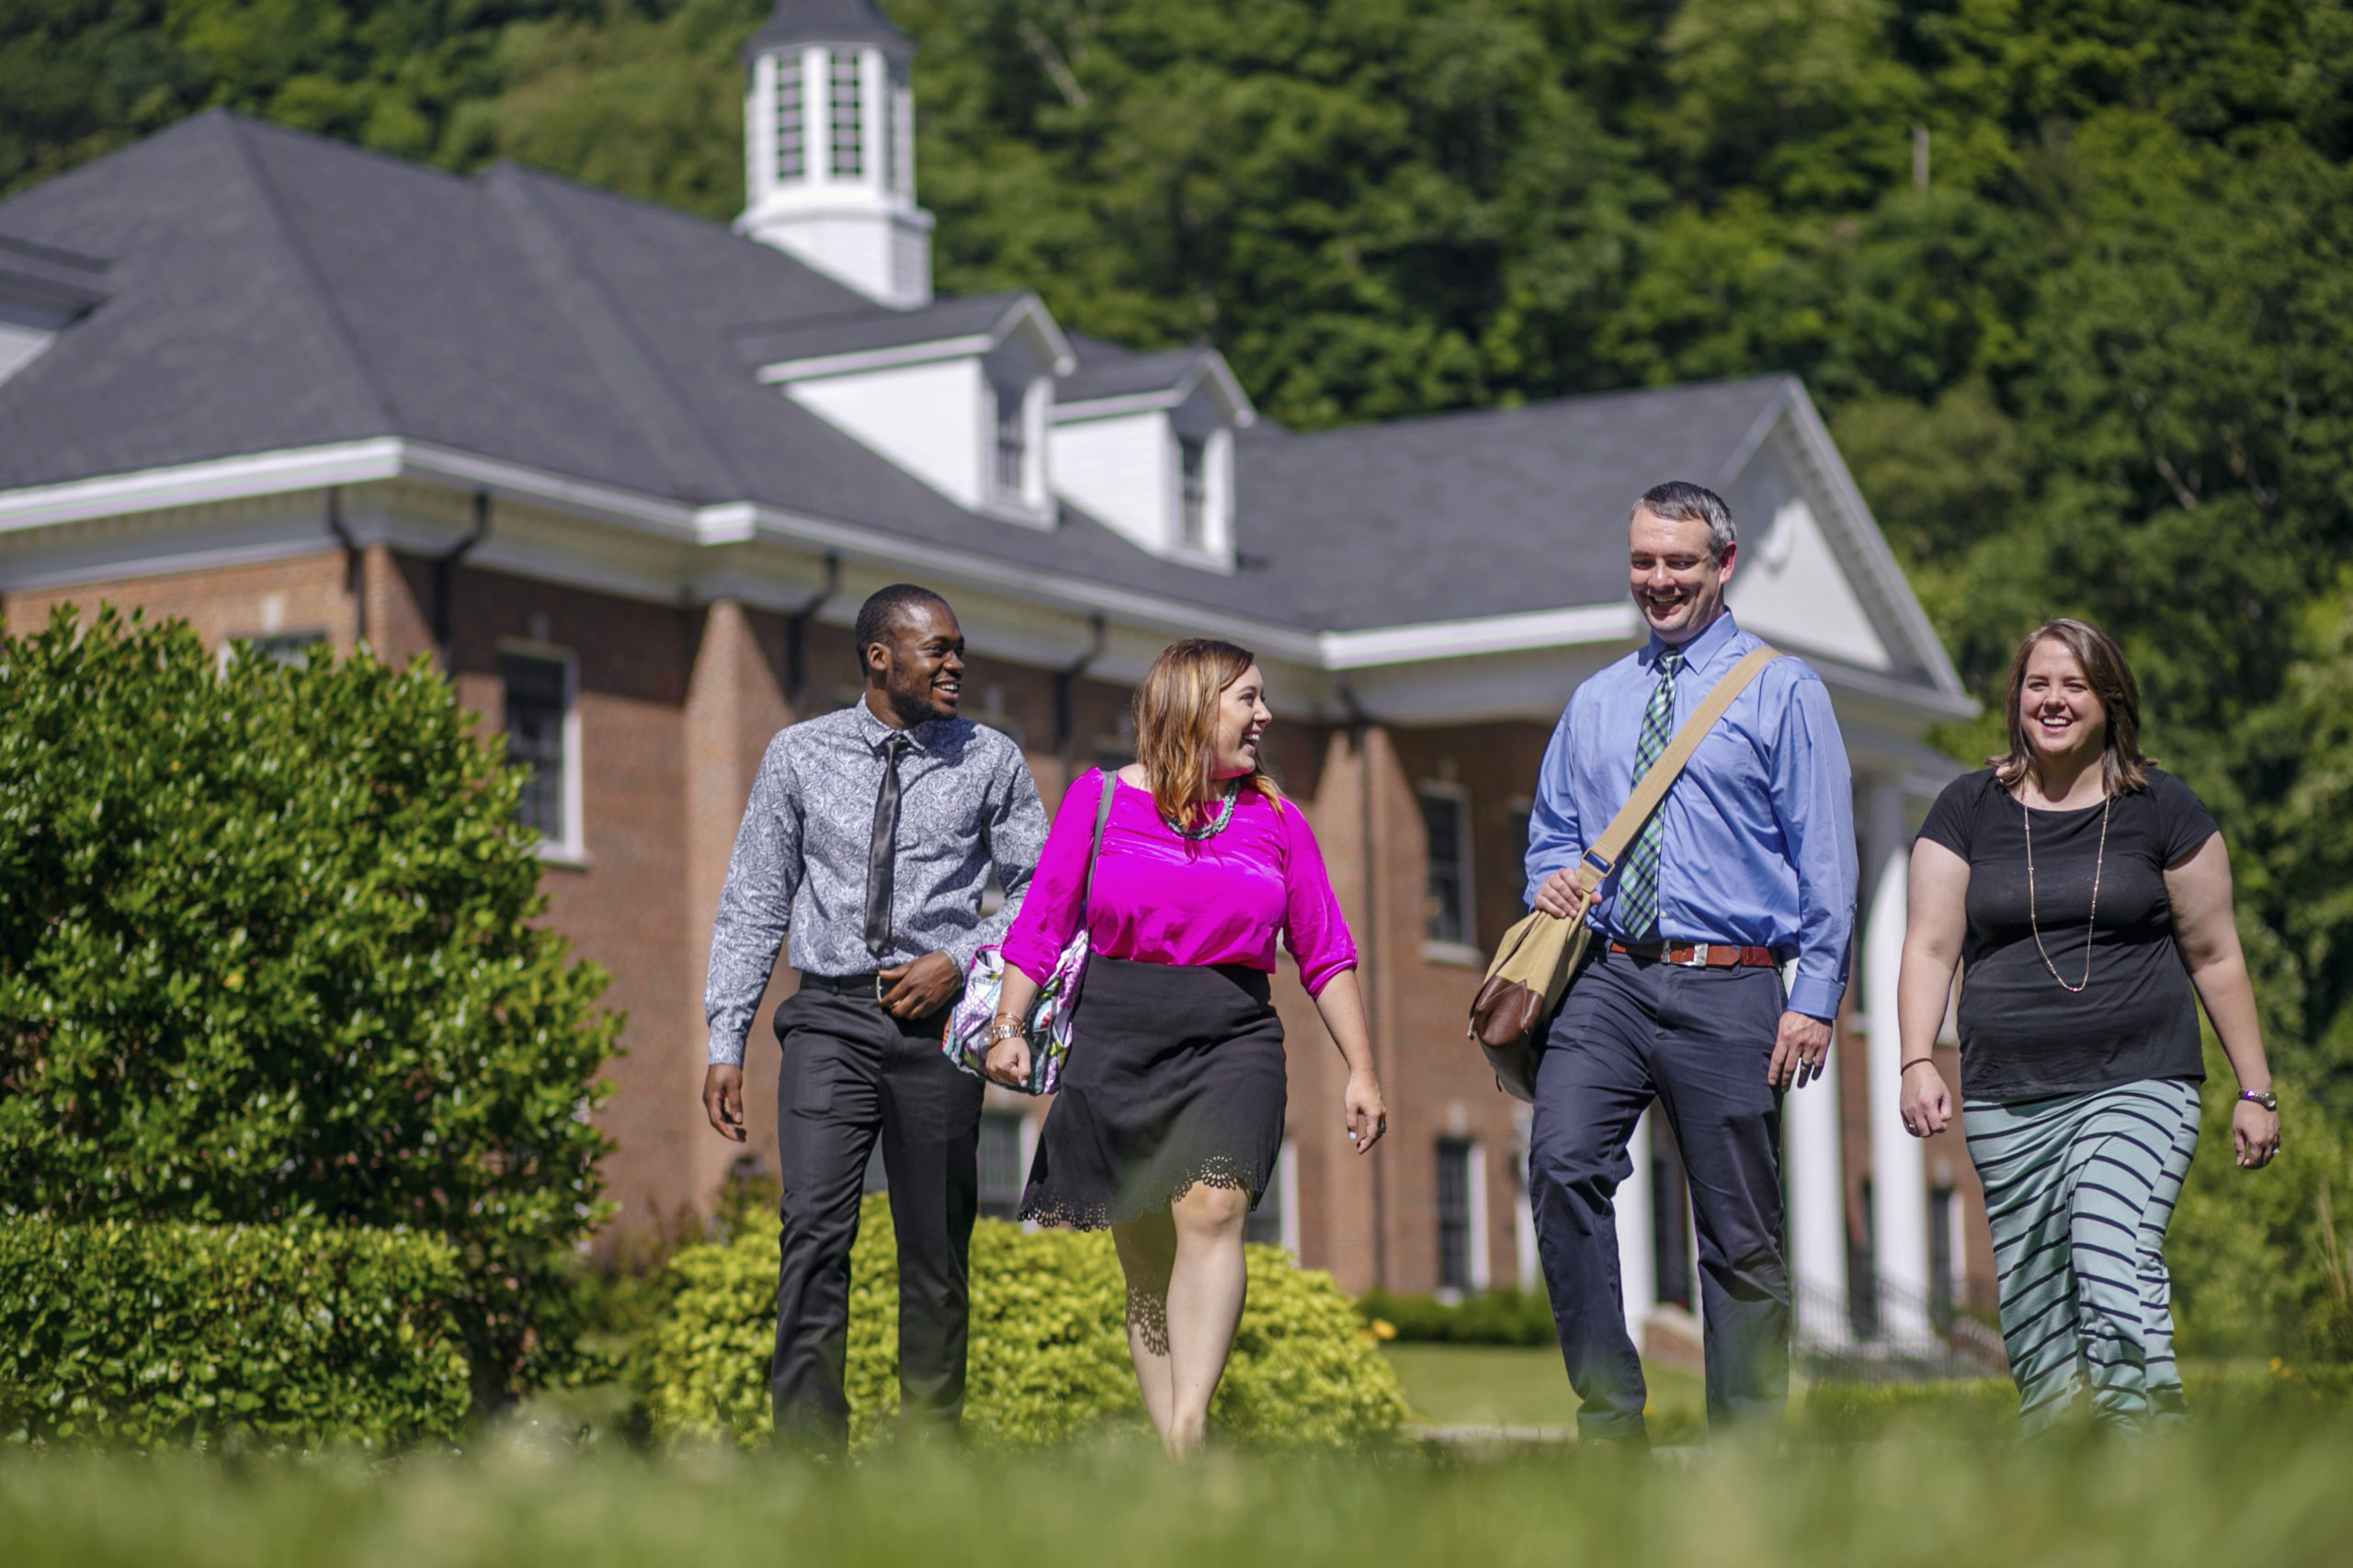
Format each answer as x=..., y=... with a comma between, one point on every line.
x=1360, y=734
x=445, y=572
x=1066, y=697
x=796, y=635
x=354, y=566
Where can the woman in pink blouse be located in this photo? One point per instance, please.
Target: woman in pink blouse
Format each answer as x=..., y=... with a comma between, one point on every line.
x=1169, y=1118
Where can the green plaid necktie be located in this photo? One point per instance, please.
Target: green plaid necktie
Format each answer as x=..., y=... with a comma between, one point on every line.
x=1638, y=880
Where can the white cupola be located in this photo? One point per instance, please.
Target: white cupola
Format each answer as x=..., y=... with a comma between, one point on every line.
x=829, y=148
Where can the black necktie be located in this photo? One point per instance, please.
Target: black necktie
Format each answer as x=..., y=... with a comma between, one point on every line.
x=883, y=849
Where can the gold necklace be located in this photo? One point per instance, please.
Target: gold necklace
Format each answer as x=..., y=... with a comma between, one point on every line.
x=2107, y=800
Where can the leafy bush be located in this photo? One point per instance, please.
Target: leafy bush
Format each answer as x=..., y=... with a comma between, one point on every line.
x=266, y=952
x=290, y=1335
x=1490, y=1317
x=1048, y=1355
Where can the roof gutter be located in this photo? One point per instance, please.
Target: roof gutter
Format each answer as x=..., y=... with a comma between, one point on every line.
x=445, y=572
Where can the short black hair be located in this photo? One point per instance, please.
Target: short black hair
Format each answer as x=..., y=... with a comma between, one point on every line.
x=886, y=605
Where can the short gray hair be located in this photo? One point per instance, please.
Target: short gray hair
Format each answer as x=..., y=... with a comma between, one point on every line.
x=1680, y=501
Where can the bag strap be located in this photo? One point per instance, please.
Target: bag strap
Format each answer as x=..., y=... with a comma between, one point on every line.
x=1652, y=788
x=1102, y=815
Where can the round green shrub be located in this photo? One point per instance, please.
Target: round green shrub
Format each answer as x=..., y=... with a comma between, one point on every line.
x=1049, y=1357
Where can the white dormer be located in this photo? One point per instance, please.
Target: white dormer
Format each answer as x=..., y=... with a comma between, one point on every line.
x=829, y=148
x=1143, y=443
x=958, y=393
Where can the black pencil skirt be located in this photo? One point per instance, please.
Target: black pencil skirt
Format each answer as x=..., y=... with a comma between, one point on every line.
x=1175, y=1080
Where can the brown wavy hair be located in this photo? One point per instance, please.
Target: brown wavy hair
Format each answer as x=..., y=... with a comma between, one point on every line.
x=2123, y=764
x=1175, y=712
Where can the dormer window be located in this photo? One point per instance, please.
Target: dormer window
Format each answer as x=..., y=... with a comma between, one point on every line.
x=1012, y=473
x=1143, y=444
x=1193, y=491
x=958, y=393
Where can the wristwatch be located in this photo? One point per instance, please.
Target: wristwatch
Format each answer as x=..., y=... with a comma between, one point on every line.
x=2267, y=1099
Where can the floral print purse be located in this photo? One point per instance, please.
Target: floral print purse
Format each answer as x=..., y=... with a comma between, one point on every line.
x=965, y=1037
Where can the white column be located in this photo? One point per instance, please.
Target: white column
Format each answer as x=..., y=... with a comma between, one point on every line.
x=1637, y=1270
x=1817, y=1207
x=1899, y=1188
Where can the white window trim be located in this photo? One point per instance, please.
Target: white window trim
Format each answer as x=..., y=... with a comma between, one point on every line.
x=1480, y=1272
x=1464, y=954
x=572, y=851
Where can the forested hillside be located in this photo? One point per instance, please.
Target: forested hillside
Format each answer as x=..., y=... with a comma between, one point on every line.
x=2072, y=279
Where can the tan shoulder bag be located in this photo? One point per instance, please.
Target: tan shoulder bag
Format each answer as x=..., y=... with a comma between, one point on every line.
x=1537, y=956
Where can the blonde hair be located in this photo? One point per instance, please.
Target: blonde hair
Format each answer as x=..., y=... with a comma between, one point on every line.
x=1176, y=713
x=2123, y=766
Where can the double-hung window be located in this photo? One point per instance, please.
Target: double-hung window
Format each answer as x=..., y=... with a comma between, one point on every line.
x=1446, y=905
x=1192, y=492
x=541, y=736
x=1012, y=472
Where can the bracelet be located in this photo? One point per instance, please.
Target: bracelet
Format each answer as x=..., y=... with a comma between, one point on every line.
x=1923, y=1062
x=1007, y=1029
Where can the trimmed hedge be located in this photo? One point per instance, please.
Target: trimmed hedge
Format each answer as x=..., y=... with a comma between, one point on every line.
x=1490, y=1317
x=1049, y=1358
x=289, y=1335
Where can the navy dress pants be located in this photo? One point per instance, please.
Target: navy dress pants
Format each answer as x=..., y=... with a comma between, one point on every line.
x=1700, y=1041
x=853, y=1073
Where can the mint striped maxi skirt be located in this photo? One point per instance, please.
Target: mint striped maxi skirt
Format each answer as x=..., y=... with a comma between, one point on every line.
x=2079, y=1189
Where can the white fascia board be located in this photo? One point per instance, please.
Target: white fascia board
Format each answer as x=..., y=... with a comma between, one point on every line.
x=420, y=460
x=195, y=485
x=1030, y=310
x=1220, y=374
x=1483, y=634
x=866, y=359
x=746, y=522
x=1113, y=407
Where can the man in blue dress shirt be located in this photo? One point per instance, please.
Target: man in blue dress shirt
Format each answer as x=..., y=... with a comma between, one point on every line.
x=1749, y=865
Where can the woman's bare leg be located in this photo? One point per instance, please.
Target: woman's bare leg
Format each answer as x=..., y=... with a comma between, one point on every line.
x=1147, y=1251
x=1205, y=1291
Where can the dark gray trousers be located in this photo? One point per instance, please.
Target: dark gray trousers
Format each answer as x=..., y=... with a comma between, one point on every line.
x=1698, y=1040
x=853, y=1073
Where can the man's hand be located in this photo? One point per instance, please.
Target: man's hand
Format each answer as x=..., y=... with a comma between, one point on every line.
x=1800, y=1049
x=922, y=988
x=1560, y=895
x=723, y=1100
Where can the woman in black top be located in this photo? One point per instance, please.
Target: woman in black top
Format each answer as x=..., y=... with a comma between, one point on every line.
x=2086, y=897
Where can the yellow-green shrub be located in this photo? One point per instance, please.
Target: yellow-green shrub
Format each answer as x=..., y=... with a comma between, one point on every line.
x=1049, y=1354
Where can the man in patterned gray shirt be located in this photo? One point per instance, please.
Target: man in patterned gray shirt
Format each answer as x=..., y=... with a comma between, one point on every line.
x=869, y=836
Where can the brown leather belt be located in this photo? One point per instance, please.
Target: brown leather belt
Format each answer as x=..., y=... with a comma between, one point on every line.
x=1702, y=954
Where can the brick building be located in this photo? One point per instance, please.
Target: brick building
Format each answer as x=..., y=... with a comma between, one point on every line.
x=625, y=476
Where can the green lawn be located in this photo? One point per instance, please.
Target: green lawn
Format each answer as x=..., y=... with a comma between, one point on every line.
x=2271, y=1492
x=1497, y=1385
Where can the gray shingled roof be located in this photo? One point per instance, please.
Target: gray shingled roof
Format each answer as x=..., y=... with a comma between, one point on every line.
x=1487, y=512
x=271, y=291
x=875, y=327
x=1107, y=369
x=829, y=21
